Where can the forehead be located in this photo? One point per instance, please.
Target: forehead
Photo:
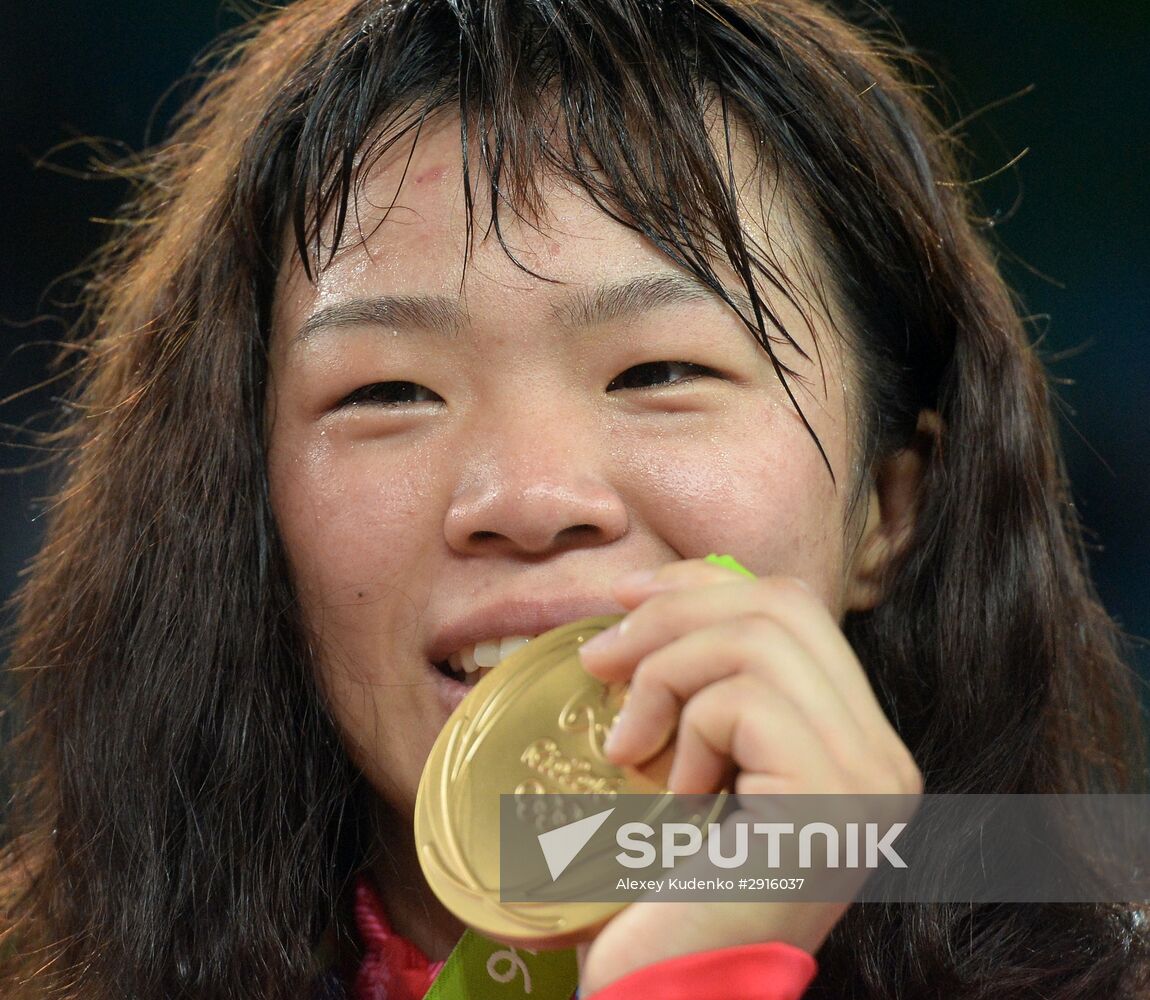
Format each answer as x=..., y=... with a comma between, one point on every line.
x=412, y=231
x=410, y=227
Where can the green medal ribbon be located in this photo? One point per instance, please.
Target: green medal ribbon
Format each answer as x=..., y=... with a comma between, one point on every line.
x=481, y=969
x=728, y=562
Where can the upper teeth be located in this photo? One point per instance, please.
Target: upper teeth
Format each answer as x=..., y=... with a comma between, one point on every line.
x=486, y=653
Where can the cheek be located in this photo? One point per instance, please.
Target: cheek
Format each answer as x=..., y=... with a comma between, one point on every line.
x=356, y=529
x=766, y=498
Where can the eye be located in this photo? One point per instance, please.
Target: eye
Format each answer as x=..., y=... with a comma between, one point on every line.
x=653, y=373
x=391, y=394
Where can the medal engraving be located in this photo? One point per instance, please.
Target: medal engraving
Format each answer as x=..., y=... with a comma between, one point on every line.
x=591, y=711
x=567, y=774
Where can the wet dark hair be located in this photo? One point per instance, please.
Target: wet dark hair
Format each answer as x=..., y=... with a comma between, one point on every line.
x=189, y=818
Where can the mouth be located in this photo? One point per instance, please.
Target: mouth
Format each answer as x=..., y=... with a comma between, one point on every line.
x=470, y=664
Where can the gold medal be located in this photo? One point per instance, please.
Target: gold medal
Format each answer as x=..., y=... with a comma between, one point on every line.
x=534, y=725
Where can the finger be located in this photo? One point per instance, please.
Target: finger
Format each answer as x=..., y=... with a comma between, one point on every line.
x=668, y=614
x=613, y=655
x=632, y=588
x=740, y=720
x=669, y=677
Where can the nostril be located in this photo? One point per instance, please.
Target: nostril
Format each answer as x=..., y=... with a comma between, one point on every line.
x=575, y=530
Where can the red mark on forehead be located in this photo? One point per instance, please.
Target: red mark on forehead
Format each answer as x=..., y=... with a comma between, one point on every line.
x=430, y=176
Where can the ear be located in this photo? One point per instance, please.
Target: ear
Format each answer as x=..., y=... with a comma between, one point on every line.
x=891, y=512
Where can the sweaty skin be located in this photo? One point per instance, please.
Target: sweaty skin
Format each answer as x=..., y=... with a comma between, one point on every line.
x=453, y=450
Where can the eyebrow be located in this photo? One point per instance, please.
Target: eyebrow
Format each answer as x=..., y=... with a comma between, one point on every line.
x=631, y=298
x=435, y=313
x=445, y=317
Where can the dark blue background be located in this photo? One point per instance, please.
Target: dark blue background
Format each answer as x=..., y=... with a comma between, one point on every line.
x=1074, y=212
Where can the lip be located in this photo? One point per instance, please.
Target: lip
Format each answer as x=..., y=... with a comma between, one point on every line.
x=523, y=616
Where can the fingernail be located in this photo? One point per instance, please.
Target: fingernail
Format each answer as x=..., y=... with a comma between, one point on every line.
x=600, y=642
x=613, y=733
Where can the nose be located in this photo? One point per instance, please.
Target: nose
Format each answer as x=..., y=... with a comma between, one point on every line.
x=534, y=487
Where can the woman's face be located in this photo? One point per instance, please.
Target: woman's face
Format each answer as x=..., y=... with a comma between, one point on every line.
x=459, y=455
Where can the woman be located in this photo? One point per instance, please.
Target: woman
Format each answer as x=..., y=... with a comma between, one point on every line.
x=433, y=319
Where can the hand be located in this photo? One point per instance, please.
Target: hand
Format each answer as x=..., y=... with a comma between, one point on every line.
x=750, y=677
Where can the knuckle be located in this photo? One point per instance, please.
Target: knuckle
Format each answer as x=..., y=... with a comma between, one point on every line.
x=645, y=677
x=789, y=588
x=913, y=780
x=902, y=774
x=744, y=636
x=696, y=714
x=750, y=635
